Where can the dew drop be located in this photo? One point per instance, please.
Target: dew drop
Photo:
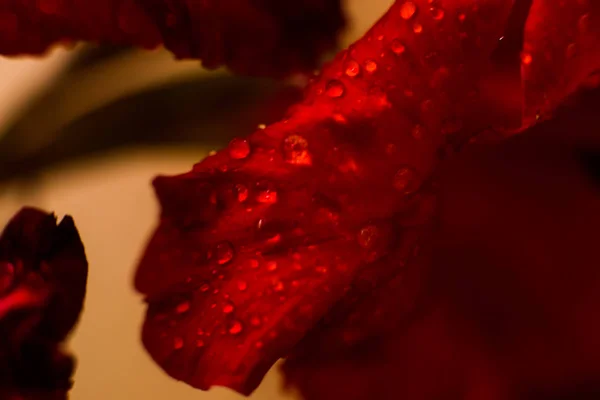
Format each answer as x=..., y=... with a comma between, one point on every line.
x=205, y=288
x=352, y=68
x=239, y=148
x=397, y=47
x=335, y=88
x=390, y=149
x=368, y=236
x=526, y=58
x=182, y=307
x=235, y=327
x=266, y=194
x=178, y=343
x=408, y=10
x=271, y=265
x=437, y=13
x=370, y=66
x=199, y=343
x=278, y=286
x=255, y=321
x=339, y=118
x=462, y=17
x=418, y=132
x=254, y=264
x=242, y=192
x=404, y=180
x=224, y=253
x=228, y=308
x=321, y=269
x=584, y=23
x=242, y=286
x=259, y=345
x=417, y=28
x=295, y=150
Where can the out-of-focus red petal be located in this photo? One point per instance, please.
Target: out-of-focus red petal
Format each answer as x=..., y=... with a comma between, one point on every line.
x=427, y=360
x=43, y=273
x=517, y=256
x=34, y=240
x=560, y=52
x=265, y=37
x=510, y=309
x=259, y=242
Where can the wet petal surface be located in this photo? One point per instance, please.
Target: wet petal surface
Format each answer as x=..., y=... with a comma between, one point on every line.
x=268, y=241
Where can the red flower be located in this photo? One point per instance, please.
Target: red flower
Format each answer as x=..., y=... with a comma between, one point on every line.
x=337, y=238
x=257, y=37
x=43, y=273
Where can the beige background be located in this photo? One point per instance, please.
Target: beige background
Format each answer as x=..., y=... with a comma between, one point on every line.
x=114, y=208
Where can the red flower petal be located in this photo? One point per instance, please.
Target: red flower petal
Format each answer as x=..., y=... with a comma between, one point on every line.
x=259, y=242
x=257, y=37
x=518, y=251
x=510, y=309
x=43, y=274
x=560, y=52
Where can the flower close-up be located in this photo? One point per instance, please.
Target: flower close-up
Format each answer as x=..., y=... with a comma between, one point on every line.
x=421, y=224
x=43, y=273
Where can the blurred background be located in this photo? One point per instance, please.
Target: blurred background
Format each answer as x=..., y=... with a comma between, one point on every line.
x=82, y=132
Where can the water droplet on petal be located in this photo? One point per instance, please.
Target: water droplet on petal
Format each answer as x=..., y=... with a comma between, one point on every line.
x=266, y=193
x=437, y=13
x=404, y=180
x=368, y=236
x=177, y=343
x=352, y=68
x=182, y=307
x=295, y=150
x=278, y=286
x=397, y=46
x=417, y=28
x=526, y=58
x=255, y=321
x=235, y=327
x=259, y=345
x=408, y=10
x=239, y=148
x=418, y=132
x=370, y=66
x=584, y=23
x=242, y=192
x=228, y=308
x=271, y=265
x=254, y=264
x=335, y=88
x=242, y=286
x=199, y=343
x=339, y=118
x=224, y=253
